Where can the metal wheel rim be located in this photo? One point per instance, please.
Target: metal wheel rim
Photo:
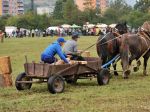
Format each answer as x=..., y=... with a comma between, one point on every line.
x=25, y=85
x=58, y=84
x=105, y=79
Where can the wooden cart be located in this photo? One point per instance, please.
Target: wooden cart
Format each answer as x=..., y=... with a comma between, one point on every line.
x=55, y=75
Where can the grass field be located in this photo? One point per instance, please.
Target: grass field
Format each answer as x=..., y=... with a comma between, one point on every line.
x=120, y=95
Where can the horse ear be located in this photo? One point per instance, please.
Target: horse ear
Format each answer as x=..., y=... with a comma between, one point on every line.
x=125, y=23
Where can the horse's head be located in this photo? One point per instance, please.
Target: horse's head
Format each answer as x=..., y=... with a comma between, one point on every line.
x=121, y=28
x=146, y=27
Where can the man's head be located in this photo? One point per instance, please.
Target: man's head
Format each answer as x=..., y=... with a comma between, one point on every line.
x=61, y=41
x=75, y=36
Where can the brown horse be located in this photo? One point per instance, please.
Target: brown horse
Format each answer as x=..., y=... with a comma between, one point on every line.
x=108, y=45
x=138, y=45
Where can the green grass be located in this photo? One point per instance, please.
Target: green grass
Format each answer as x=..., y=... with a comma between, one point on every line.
x=120, y=95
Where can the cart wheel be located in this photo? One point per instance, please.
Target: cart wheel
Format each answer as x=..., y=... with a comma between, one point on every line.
x=72, y=80
x=56, y=84
x=23, y=86
x=103, y=77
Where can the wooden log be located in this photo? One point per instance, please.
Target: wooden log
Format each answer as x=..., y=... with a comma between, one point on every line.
x=6, y=70
x=5, y=65
x=1, y=81
x=7, y=80
x=77, y=62
x=87, y=54
x=1, y=37
x=60, y=62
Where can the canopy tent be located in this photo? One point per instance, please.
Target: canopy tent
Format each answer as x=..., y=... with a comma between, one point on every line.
x=75, y=26
x=101, y=25
x=90, y=25
x=66, y=26
x=112, y=25
x=53, y=28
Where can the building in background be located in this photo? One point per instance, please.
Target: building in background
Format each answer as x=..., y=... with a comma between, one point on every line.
x=43, y=10
x=83, y=4
x=99, y=4
x=104, y=4
x=0, y=7
x=11, y=7
x=34, y=4
x=4, y=7
x=19, y=7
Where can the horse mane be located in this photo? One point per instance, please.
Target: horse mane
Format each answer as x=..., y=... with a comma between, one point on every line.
x=146, y=26
x=121, y=27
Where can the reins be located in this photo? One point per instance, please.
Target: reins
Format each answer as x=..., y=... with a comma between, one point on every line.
x=93, y=44
x=100, y=41
x=110, y=40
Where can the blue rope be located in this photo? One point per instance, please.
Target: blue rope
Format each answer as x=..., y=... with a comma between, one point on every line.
x=111, y=61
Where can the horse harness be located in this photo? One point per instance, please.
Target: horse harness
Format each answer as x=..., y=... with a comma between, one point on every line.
x=144, y=34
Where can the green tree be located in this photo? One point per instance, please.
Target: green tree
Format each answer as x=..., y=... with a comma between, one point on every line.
x=70, y=12
x=58, y=10
x=142, y=5
x=117, y=9
x=134, y=18
x=3, y=21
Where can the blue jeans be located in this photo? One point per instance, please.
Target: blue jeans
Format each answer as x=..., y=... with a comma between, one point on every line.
x=48, y=60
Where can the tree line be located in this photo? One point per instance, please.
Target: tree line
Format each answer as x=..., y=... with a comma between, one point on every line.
x=66, y=11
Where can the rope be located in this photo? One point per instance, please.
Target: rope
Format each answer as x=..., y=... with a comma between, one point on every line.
x=94, y=44
x=143, y=54
x=110, y=40
x=100, y=41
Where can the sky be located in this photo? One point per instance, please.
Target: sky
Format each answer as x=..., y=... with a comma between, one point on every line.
x=131, y=2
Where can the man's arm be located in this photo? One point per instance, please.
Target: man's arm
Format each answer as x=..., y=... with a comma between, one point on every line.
x=61, y=55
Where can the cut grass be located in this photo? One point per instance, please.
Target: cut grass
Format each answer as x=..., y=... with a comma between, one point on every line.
x=120, y=95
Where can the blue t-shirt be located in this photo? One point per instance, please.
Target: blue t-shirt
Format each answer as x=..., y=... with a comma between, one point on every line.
x=52, y=50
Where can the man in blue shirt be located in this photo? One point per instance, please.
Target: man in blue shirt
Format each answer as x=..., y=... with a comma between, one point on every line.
x=55, y=48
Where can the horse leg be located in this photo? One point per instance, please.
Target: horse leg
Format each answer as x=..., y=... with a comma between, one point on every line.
x=145, y=65
x=136, y=68
x=115, y=72
x=133, y=57
x=128, y=70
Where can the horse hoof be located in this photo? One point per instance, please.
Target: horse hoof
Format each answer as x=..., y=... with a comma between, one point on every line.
x=138, y=63
x=116, y=74
x=127, y=72
x=136, y=69
x=125, y=77
x=145, y=73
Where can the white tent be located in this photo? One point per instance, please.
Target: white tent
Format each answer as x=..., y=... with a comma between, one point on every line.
x=10, y=29
x=89, y=25
x=66, y=26
x=53, y=28
x=101, y=25
x=112, y=25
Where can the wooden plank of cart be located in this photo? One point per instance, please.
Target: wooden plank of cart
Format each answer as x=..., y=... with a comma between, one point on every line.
x=55, y=75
